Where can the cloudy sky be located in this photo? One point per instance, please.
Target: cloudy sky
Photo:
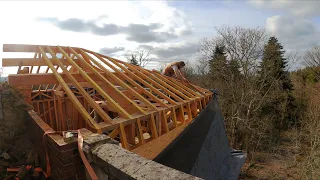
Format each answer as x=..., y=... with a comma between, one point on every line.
x=171, y=29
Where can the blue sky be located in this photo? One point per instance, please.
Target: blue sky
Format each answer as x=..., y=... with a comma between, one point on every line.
x=171, y=29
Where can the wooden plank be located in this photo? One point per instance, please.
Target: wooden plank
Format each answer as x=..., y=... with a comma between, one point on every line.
x=179, y=83
x=129, y=79
x=174, y=85
x=156, y=84
x=140, y=135
x=125, y=76
x=158, y=121
x=39, y=79
x=141, y=81
x=110, y=100
x=116, y=94
x=35, y=56
x=151, y=149
x=97, y=108
x=75, y=101
x=62, y=120
x=153, y=128
x=164, y=122
x=73, y=119
x=38, y=70
x=161, y=82
x=180, y=116
x=30, y=48
x=130, y=131
x=50, y=114
x=184, y=85
x=114, y=133
x=12, y=62
x=56, y=114
x=123, y=137
x=171, y=78
x=174, y=117
x=189, y=112
x=193, y=106
x=44, y=110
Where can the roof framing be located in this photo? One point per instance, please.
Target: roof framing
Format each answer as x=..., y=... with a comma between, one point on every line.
x=121, y=85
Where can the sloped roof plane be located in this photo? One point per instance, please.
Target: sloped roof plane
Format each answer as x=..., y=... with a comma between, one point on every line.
x=130, y=91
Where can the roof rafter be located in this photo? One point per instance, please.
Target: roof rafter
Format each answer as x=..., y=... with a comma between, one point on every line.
x=134, y=93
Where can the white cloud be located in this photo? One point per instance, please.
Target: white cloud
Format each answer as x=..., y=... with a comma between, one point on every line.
x=24, y=28
x=296, y=33
x=293, y=23
x=298, y=8
x=173, y=25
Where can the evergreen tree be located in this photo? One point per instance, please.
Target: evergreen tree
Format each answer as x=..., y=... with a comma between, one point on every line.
x=218, y=63
x=273, y=65
x=278, y=105
x=234, y=69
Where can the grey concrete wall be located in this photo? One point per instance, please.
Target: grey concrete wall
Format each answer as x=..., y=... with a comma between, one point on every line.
x=110, y=161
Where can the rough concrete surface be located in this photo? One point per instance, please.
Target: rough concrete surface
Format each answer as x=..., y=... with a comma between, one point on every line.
x=119, y=163
x=14, y=139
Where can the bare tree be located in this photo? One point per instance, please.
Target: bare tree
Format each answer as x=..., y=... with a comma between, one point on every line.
x=139, y=57
x=201, y=67
x=312, y=60
x=241, y=92
x=312, y=57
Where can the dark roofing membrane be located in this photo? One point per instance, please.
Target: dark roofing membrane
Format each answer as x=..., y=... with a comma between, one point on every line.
x=202, y=149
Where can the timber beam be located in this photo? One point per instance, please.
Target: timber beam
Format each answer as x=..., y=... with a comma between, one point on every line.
x=39, y=79
x=33, y=48
x=11, y=62
x=124, y=100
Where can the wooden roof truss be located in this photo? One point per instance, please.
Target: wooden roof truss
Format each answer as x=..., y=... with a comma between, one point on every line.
x=135, y=94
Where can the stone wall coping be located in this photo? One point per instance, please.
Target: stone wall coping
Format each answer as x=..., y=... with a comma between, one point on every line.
x=123, y=164
x=115, y=161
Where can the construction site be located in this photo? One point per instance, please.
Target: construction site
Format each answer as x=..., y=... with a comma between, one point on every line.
x=71, y=113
